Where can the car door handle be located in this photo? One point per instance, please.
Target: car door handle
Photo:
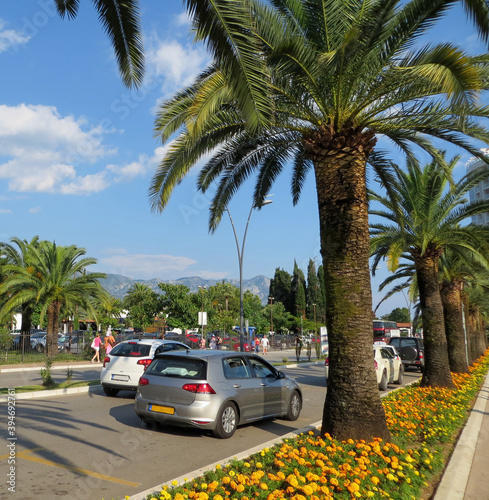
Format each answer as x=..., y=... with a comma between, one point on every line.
x=263, y=384
x=237, y=386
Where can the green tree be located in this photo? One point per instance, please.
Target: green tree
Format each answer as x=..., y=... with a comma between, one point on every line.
x=280, y=288
x=312, y=84
x=55, y=278
x=298, y=292
x=143, y=305
x=313, y=292
x=17, y=253
x=425, y=217
x=399, y=315
x=109, y=311
x=180, y=307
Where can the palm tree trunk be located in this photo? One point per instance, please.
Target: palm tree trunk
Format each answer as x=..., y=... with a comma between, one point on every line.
x=454, y=327
x=52, y=330
x=352, y=408
x=437, y=368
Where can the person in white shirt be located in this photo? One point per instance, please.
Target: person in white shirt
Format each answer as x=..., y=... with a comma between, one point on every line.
x=264, y=344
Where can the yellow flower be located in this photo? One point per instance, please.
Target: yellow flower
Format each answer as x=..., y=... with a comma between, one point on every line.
x=174, y=483
x=264, y=486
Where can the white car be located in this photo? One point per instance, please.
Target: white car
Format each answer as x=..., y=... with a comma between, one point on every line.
x=128, y=360
x=388, y=366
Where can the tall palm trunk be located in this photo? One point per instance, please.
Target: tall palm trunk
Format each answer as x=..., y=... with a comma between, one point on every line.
x=454, y=326
x=437, y=368
x=52, y=331
x=352, y=408
x=25, y=329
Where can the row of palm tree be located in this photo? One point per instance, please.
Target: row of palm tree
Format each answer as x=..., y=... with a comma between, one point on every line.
x=41, y=274
x=309, y=86
x=425, y=231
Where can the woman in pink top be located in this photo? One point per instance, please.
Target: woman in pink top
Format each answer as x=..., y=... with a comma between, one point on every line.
x=96, y=347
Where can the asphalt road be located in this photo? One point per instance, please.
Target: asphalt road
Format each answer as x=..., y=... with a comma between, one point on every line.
x=93, y=447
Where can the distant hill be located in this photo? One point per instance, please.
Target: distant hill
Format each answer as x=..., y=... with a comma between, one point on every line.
x=118, y=285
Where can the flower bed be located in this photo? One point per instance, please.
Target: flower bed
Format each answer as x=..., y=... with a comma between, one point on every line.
x=423, y=422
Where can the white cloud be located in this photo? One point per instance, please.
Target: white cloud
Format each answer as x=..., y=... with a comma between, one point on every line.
x=141, y=167
x=47, y=152
x=143, y=266
x=5, y=211
x=176, y=64
x=35, y=210
x=11, y=39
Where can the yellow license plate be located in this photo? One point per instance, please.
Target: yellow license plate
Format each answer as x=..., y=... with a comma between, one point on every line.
x=162, y=409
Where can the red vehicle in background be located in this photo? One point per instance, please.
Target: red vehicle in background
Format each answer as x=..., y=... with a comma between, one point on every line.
x=385, y=330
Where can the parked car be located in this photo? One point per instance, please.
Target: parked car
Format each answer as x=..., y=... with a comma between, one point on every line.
x=76, y=342
x=190, y=340
x=411, y=351
x=127, y=361
x=388, y=366
x=38, y=341
x=215, y=390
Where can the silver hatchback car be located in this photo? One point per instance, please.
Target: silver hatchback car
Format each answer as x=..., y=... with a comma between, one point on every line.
x=215, y=390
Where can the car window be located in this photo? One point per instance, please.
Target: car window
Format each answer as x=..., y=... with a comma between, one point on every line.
x=235, y=368
x=131, y=349
x=386, y=353
x=170, y=347
x=395, y=342
x=262, y=369
x=175, y=366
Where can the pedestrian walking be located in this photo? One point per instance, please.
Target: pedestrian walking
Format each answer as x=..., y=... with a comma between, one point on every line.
x=97, y=342
x=218, y=341
x=213, y=342
x=109, y=341
x=257, y=344
x=264, y=344
x=202, y=343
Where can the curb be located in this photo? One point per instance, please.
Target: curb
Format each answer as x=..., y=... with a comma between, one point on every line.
x=53, y=367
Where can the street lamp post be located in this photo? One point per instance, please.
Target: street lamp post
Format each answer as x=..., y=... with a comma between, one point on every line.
x=202, y=288
x=271, y=316
x=240, y=260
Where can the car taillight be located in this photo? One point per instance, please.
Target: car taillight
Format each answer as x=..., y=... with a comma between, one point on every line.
x=421, y=355
x=106, y=360
x=375, y=364
x=326, y=362
x=199, y=388
x=145, y=362
x=143, y=381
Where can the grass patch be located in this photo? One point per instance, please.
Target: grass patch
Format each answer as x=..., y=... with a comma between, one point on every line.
x=61, y=385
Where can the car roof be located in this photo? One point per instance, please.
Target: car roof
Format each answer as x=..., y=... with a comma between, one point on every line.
x=208, y=354
x=150, y=341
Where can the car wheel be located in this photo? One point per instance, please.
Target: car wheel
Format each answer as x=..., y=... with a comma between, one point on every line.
x=295, y=407
x=111, y=392
x=227, y=421
x=401, y=375
x=383, y=381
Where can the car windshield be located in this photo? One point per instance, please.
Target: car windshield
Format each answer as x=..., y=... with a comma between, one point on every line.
x=131, y=349
x=178, y=367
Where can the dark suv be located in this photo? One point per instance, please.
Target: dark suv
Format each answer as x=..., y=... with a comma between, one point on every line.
x=411, y=351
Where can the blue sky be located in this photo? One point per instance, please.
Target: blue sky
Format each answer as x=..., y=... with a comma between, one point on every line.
x=77, y=152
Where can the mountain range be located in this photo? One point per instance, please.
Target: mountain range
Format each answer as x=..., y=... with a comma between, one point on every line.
x=118, y=285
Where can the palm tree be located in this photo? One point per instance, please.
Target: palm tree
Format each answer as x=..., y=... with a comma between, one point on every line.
x=56, y=277
x=311, y=84
x=18, y=253
x=120, y=19
x=425, y=219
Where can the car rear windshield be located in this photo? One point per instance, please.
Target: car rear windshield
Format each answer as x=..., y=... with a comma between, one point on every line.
x=174, y=366
x=131, y=349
